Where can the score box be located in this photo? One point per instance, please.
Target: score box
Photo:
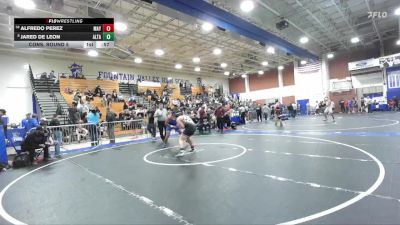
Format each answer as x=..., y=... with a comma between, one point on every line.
x=108, y=27
x=108, y=36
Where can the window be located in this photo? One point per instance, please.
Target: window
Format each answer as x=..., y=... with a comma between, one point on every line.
x=393, y=79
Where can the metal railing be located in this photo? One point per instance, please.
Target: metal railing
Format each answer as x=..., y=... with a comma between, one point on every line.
x=93, y=135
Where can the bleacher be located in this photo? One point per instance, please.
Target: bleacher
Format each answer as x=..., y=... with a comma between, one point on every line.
x=124, y=89
x=106, y=85
x=45, y=85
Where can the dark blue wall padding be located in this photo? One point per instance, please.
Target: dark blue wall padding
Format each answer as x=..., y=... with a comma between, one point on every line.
x=3, y=150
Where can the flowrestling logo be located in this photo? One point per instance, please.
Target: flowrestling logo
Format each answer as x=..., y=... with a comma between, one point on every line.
x=379, y=15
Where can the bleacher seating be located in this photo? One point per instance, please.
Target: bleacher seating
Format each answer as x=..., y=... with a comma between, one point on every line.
x=124, y=89
x=47, y=94
x=45, y=85
x=107, y=86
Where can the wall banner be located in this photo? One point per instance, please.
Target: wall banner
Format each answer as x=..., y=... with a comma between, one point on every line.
x=390, y=60
x=363, y=64
x=132, y=78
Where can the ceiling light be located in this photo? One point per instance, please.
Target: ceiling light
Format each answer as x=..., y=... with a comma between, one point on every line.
x=271, y=50
x=355, y=40
x=280, y=67
x=260, y=72
x=217, y=51
x=197, y=69
x=397, y=12
x=26, y=66
x=138, y=60
x=303, y=40
x=159, y=52
x=330, y=55
x=398, y=42
x=244, y=76
x=120, y=26
x=196, y=59
x=226, y=73
x=92, y=53
x=224, y=65
x=303, y=62
x=25, y=4
x=247, y=5
x=264, y=63
x=178, y=66
x=207, y=26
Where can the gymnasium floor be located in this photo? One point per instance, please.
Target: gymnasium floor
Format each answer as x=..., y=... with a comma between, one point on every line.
x=309, y=171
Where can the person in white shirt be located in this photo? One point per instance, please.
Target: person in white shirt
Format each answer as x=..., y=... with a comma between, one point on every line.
x=278, y=112
x=161, y=115
x=329, y=109
x=266, y=111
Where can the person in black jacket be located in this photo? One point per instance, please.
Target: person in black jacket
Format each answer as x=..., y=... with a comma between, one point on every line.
x=34, y=140
x=110, y=118
x=151, y=126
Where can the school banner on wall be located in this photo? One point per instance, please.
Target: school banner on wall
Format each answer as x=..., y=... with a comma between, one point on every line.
x=132, y=78
x=363, y=64
x=390, y=60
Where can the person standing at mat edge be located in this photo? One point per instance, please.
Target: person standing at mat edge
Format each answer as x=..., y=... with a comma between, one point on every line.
x=4, y=120
x=328, y=109
x=111, y=117
x=278, y=112
x=259, y=113
x=161, y=115
x=189, y=127
x=219, y=114
x=57, y=132
x=151, y=126
x=94, y=120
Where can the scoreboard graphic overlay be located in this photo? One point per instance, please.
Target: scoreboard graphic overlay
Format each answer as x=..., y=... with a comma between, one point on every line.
x=64, y=33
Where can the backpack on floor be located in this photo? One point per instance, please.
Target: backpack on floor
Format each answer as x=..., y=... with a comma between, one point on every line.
x=21, y=161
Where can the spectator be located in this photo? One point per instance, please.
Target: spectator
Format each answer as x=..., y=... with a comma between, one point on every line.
x=227, y=115
x=346, y=106
x=114, y=96
x=104, y=101
x=73, y=113
x=219, y=114
x=242, y=112
x=266, y=111
x=4, y=120
x=25, y=122
x=341, y=104
x=55, y=123
x=125, y=107
x=49, y=140
x=111, y=117
x=94, y=120
x=151, y=126
x=259, y=113
x=80, y=106
x=35, y=140
x=77, y=96
x=81, y=132
x=97, y=91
